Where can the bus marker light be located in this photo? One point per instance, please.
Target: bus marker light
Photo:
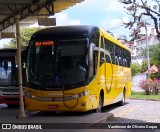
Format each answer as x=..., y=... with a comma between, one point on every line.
x=53, y=106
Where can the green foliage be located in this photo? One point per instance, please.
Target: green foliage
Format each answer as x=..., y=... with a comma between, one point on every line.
x=136, y=68
x=25, y=37
x=154, y=53
x=144, y=66
x=153, y=76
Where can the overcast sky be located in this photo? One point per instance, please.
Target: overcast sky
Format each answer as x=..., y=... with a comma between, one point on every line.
x=106, y=14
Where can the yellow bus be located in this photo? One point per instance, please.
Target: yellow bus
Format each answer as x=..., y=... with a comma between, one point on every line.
x=76, y=68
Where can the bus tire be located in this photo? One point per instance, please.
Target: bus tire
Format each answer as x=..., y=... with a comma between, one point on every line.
x=122, y=102
x=100, y=104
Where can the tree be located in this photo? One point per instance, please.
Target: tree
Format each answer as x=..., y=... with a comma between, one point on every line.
x=25, y=37
x=154, y=56
x=144, y=66
x=139, y=10
x=136, y=68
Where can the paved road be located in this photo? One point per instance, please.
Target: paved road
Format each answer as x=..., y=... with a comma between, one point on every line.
x=135, y=111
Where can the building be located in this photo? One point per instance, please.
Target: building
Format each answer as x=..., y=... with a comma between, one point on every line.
x=140, y=45
x=132, y=47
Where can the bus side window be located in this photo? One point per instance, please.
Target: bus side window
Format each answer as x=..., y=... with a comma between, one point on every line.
x=128, y=58
x=107, y=46
x=116, y=51
x=102, y=58
x=112, y=56
x=124, y=62
x=107, y=59
x=102, y=55
x=5, y=66
x=120, y=61
x=116, y=60
x=23, y=64
x=95, y=61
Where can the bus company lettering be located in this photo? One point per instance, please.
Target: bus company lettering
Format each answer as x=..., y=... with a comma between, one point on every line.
x=44, y=43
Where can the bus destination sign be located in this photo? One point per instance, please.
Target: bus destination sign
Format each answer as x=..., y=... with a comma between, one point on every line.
x=44, y=43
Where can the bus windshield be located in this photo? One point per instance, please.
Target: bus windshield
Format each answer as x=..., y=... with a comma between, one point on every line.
x=55, y=64
x=9, y=68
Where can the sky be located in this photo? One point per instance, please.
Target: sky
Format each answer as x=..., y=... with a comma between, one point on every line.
x=106, y=14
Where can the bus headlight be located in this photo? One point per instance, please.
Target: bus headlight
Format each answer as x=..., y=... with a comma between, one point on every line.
x=56, y=99
x=80, y=94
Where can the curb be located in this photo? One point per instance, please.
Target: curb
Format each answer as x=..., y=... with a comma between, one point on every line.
x=109, y=117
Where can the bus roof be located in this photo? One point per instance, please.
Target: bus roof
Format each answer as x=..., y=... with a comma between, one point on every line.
x=114, y=40
x=10, y=52
x=7, y=49
x=64, y=31
x=7, y=52
x=71, y=31
x=13, y=49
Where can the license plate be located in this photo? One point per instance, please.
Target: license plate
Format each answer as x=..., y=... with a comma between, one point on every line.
x=54, y=106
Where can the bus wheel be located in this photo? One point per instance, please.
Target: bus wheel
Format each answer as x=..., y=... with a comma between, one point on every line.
x=100, y=105
x=122, y=102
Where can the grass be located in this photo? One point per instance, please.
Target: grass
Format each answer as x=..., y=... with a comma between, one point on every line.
x=142, y=95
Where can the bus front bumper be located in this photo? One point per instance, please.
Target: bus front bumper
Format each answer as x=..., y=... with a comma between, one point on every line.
x=78, y=105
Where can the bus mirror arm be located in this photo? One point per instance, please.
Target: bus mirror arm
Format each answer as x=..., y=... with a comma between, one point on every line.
x=91, y=51
x=102, y=60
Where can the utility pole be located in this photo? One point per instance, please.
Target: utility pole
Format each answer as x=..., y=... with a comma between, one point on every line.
x=21, y=103
x=159, y=18
x=147, y=45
